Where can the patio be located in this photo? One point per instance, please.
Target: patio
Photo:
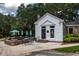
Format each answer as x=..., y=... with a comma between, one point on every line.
x=24, y=48
x=28, y=48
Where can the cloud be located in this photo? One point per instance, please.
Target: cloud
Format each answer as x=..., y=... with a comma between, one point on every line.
x=10, y=3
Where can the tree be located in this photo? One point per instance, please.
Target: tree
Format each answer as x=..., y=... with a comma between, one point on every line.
x=5, y=24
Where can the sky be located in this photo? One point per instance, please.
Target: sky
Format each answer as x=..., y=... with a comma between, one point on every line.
x=16, y=3
x=11, y=3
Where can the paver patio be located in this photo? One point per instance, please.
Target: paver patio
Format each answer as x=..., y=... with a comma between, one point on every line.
x=20, y=50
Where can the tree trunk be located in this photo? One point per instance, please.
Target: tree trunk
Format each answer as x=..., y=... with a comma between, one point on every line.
x=28, y=33
x=24, y=33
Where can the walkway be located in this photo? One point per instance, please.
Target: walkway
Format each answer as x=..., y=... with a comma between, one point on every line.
x=25, y=49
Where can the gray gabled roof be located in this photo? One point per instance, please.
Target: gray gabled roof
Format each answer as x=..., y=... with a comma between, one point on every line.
x=73, y=23
x=46, y=15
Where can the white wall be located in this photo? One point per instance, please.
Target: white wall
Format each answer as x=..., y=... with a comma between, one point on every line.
x=58, y=30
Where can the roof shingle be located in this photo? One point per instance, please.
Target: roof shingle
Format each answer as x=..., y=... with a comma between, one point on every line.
x=76, y=22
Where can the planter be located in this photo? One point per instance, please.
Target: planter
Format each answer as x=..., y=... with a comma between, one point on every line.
x=11, y=42
x=18, y=40
x=26, y=40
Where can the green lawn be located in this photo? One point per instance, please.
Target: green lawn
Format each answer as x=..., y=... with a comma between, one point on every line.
x=73, y=49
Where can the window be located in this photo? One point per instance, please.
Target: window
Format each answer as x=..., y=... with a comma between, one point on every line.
x=70, y=30
x=43, y=27
x=51, y=31
x=51, y=26
x=43, y=32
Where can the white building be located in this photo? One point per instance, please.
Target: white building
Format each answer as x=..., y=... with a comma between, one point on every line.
x=49, y=27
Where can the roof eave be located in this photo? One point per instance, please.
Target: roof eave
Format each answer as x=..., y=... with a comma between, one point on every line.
x=72, y=25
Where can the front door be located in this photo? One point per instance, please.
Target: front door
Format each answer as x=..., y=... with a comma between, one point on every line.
x=49, y=32
x=43, y=32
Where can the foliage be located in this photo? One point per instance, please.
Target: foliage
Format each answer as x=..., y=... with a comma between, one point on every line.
x=5, y=24
x=71, y=38
x=72, y=49
x=1, y=36
x=72, y=35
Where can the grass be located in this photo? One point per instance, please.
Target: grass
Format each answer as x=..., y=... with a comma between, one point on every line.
x=72, y=49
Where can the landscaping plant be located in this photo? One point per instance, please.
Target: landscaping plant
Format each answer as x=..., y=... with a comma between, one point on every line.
x=71, y=38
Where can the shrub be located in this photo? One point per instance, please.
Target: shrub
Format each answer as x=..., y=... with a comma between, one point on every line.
x=1, y=36
x=71, y=38
x=72, y=35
